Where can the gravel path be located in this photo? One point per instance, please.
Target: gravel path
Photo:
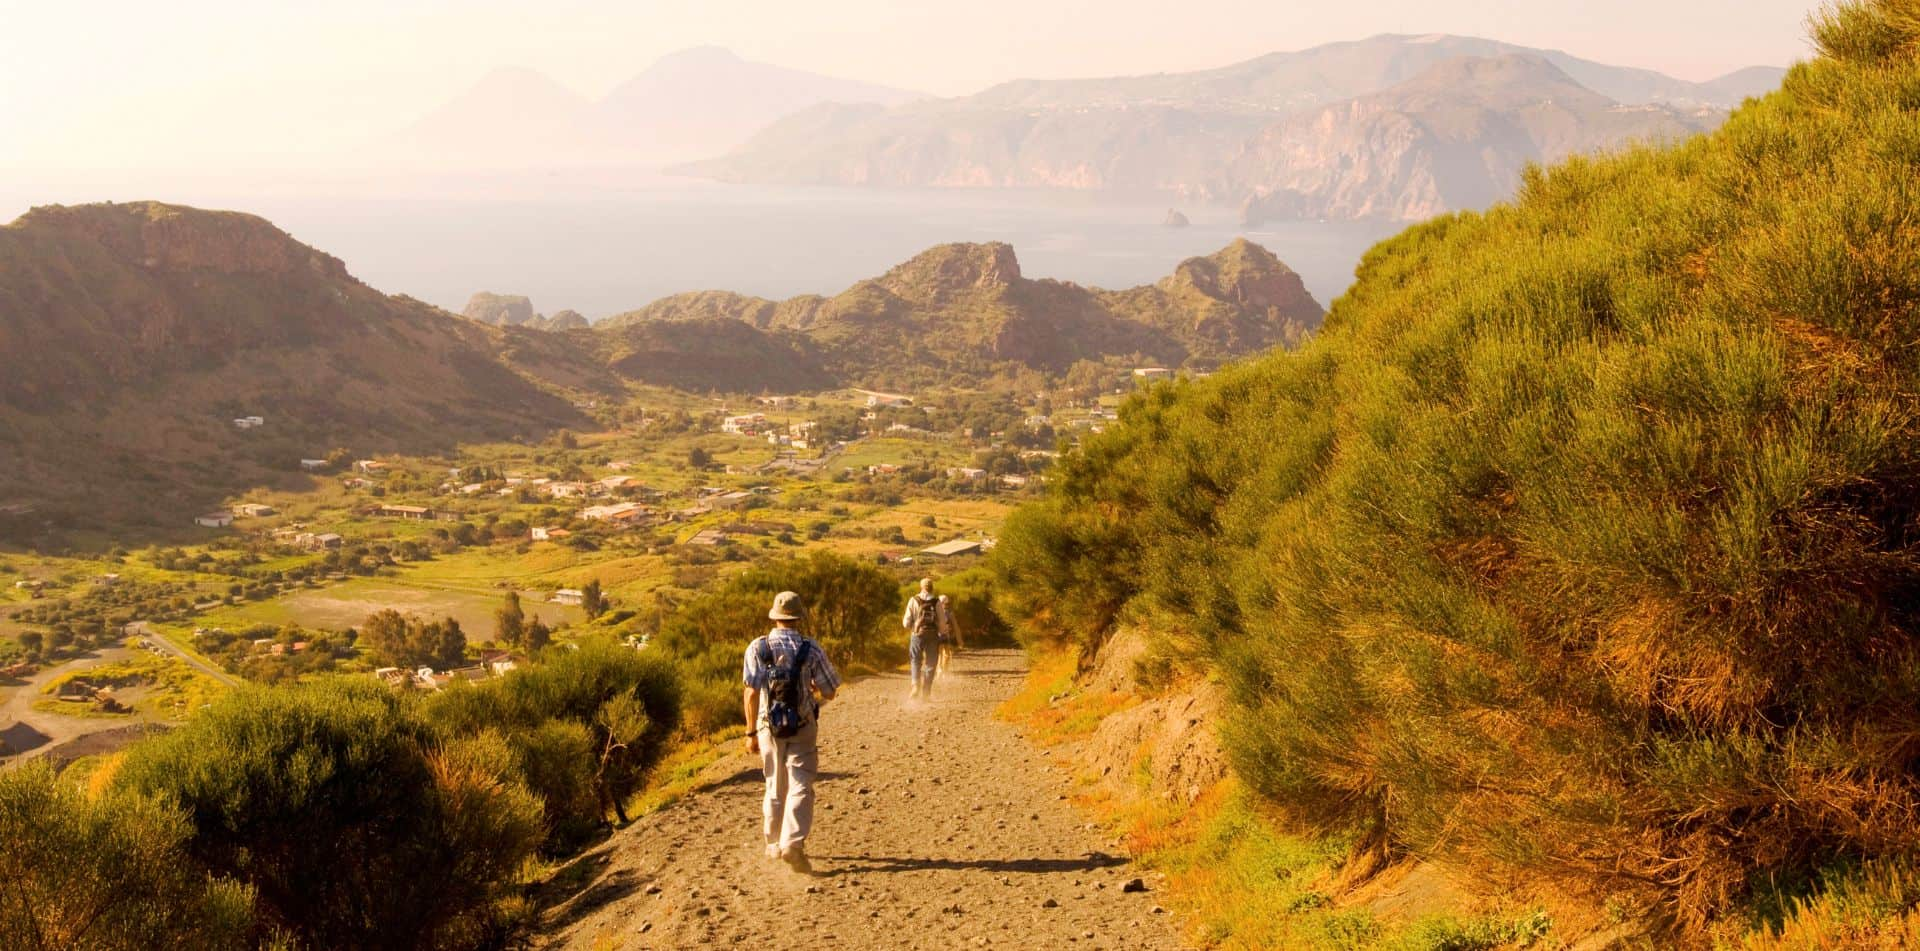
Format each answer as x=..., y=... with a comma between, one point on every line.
x=937, y=827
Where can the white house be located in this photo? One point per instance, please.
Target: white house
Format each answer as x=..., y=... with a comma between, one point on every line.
x=618, y=512
x=566, y=490
x=749, y=424
x=248, y=422
x=1152, y=373
x=313, y=465
x=253, y=510
x=568, y=596
x=878, y=400
x=214, y=519
x=966, y=472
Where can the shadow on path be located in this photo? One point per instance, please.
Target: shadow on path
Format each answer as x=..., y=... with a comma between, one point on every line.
x=880, y=863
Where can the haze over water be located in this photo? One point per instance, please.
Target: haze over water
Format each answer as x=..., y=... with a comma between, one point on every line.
x=609, y=247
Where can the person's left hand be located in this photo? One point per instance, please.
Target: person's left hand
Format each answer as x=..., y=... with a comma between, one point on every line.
x=753, y=743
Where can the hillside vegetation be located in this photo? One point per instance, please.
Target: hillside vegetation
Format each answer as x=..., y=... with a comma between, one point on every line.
x=1582, y=542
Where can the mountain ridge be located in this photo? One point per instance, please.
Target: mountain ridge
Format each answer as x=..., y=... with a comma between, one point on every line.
x=968, y=308
x=685, y=104
x=1181, y=133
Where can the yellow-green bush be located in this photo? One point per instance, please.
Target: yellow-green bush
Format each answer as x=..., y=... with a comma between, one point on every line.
x=1583, y=538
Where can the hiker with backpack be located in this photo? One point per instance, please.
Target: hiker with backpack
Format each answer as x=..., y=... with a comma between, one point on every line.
x=783, y=672
x=953, y=640
x=927, y=622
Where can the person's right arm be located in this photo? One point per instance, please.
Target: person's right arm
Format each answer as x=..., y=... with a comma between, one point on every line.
x=906, y=620
x=750, y=697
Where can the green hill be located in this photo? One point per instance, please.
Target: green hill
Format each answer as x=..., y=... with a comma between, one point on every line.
x=966, y=311
x=1581, y=544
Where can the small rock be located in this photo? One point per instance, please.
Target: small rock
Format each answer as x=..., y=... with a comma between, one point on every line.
x=1049, y=903
x=1159, y=910
x=646, y=926
x=1134, y=885
x=1087, y=935
x=813, y=889
x=653, y=889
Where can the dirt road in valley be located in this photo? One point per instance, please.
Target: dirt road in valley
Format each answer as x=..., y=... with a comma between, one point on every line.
x=937, y=827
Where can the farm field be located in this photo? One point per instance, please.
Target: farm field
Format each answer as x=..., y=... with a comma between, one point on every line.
x=348, y=603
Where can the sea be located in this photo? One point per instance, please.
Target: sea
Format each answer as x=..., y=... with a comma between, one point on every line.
x=608, y=243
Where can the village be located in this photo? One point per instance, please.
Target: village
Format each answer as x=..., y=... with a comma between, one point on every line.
x=677, y=491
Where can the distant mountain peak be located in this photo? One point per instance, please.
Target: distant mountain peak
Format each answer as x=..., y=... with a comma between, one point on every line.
x=706, y=53
x=1247, y=275
x=949, y=268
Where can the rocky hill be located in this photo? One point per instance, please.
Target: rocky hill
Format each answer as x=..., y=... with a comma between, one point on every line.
x=967, y=310
x=1192, y=133
x=137, y=333
x=516, y=310
x=501, y=310
x=1456, y=136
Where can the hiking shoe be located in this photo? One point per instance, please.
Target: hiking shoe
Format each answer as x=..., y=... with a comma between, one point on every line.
x=797, y=860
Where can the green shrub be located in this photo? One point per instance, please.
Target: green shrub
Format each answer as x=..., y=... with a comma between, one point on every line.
x=1583, y=538
x=335, y=805
x=108, y=873
x=598, y=713
x=848, y=603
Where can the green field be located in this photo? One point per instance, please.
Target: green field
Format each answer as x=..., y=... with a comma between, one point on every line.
x=348, y=603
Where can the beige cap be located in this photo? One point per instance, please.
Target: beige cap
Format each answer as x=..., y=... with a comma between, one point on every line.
x=786, y=607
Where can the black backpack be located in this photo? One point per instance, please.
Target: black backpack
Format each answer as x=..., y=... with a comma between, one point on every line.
x=786, y=690
x=928, y=623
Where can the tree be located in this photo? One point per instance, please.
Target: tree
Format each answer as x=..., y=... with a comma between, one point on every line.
x=510, y=622
x=538, y=636
x=33, y=642
x=356, y=827
x=108, y=873
x=593, y=600
x=414, y=642
x=699, y=458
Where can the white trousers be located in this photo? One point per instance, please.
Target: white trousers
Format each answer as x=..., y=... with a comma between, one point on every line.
x=790, y=765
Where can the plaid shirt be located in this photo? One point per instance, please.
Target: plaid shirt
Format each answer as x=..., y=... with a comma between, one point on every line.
x=783, y=642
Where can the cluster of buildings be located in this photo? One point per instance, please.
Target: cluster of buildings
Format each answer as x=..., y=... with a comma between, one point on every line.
x=491, y=664
x=296, y=537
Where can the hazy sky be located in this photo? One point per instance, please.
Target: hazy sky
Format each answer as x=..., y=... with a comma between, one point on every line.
x=115, y=83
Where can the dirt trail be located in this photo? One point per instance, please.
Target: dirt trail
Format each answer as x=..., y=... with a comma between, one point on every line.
x=937, y=827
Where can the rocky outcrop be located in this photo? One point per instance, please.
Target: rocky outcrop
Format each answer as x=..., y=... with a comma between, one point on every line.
x=565, y=320
x=500, y=310
x=1174, y=219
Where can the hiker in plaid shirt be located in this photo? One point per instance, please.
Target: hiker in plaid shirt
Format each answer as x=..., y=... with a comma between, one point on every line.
x=788, y=763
